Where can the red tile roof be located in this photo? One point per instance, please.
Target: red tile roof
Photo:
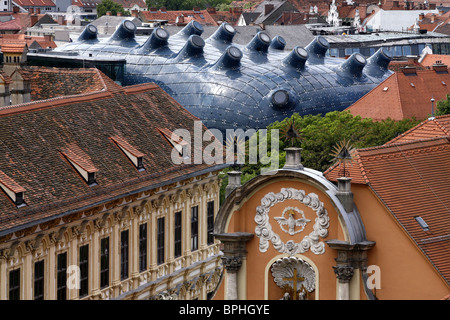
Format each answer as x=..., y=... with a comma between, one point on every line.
x=431, y=128
x=411, y=179
x=201, y=16
x=35, y=3
x=430, y=59
x=47, y=83
x=403, y=96
x=33, y=135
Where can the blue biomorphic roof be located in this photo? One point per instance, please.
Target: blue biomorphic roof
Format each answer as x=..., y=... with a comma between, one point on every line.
x=234, y=86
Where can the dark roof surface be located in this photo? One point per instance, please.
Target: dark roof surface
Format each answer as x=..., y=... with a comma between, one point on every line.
x=36, y=138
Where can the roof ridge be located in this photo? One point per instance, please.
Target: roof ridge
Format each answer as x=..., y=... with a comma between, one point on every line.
x=405, y=143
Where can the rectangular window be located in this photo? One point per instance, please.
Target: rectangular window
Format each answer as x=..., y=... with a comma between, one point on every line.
x=61, y=276
x=143, y=247
x=14, y=284
x=210, y=221
x=104, y=262
x=84, y=271
x=124, y=254
x=177, y=230
x=39, y=280
x=194, y=228
x=160, y=241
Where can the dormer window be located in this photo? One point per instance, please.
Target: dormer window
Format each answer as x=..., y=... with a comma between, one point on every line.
x=12, y=189
x=177, y=142
x=131, y=152
x=82, y=163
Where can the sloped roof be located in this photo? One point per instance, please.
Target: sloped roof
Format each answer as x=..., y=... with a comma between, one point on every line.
x=34, y=136
x=35, y=3
x=131, y=3
x=403, y=96
x=412, y=179
x=430, y=128
x=47, y=83
x=431, y=59
x=201, y=16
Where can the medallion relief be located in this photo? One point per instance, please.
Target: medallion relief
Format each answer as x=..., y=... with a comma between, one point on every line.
x=292, y=221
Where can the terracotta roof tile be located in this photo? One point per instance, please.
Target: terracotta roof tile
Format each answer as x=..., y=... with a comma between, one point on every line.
x=201, y=16
x=403, y=96
x=413, y=179
x=33, y=134
x=431, y=128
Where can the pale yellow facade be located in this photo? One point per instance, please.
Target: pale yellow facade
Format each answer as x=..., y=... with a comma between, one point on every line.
x=193, y=275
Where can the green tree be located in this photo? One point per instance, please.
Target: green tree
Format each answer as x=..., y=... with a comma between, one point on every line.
x=443, y=106
x=109, y=5
x=320, y=134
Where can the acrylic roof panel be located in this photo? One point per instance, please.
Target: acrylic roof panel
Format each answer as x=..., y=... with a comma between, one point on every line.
x=412, y=179
x=38, y=139
x=235, y=85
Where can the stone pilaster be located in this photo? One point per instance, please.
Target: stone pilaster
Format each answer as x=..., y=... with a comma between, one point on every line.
x=233, y=254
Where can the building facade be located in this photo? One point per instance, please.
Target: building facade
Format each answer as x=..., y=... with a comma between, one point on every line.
x=97, y=208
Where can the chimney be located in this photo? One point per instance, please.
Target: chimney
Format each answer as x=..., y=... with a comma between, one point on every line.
x=33, y=19
x=37, y=10
x=268, y=8
x=16, y=9
x=293, y=159
x=234, y=181
x=212, y=10
x=409, y=71
x=345, y=194
x=135, y=13
x=48, y=37
x=108, y=13
x=421, y=16
x=119, y=14
x=152, y=9
x=433, y=18
x=196, y=9
x=163, y=10
x=440, y=68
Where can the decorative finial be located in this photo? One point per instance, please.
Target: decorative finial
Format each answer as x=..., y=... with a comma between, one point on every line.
x=342, y=153
x=291, y=133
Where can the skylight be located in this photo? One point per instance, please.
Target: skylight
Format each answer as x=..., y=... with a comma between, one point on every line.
x=422, y=223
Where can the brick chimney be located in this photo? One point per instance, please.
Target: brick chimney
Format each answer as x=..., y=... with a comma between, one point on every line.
x=268, y=8
x=433, y=18
x=108, y=13
x=196, y=9
x=37, y=10
x=16, y=9
x=135, y=13
x=421, y=16
x=33, y=19
x=212, y=10
x=163, y=9
x=119, y=14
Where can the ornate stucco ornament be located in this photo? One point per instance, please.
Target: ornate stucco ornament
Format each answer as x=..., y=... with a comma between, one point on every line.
x=290, y=220
x=264, y=231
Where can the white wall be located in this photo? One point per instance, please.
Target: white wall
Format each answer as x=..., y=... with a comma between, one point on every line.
x=395, y=20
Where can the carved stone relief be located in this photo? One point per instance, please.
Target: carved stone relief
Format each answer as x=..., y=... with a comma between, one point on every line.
x=309, y=242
